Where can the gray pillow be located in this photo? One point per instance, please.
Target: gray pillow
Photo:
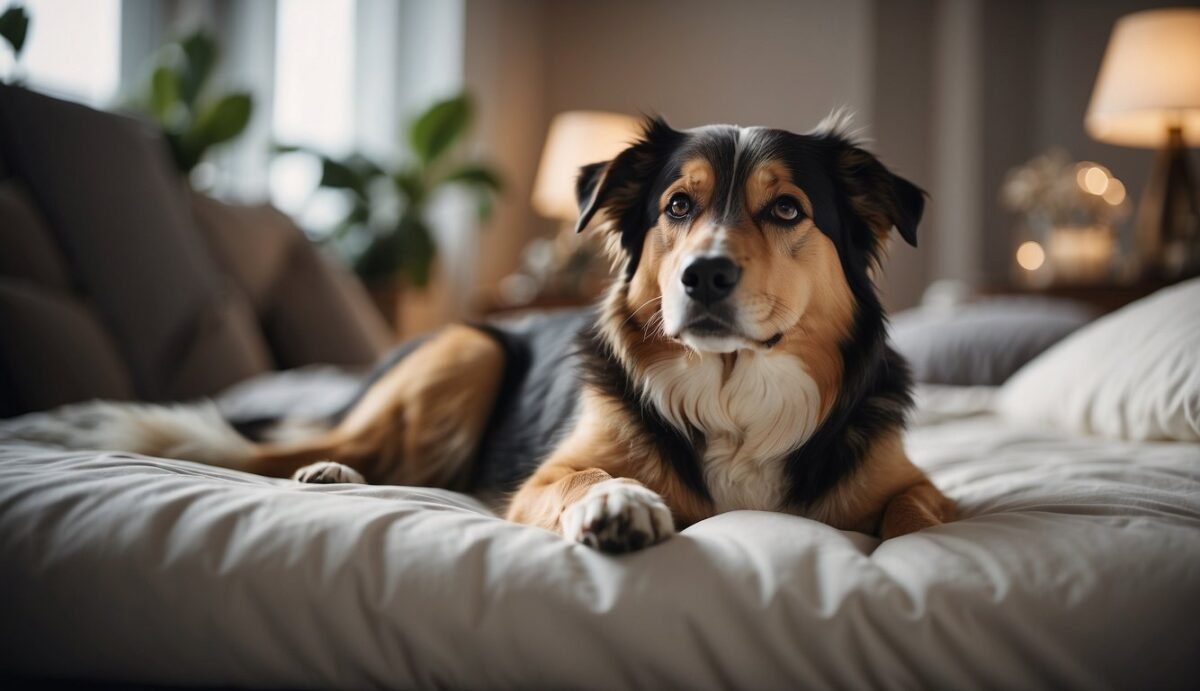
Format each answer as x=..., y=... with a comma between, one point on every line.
x=982, y=343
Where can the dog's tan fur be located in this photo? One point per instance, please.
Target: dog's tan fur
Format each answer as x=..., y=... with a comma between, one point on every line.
x=418, y=425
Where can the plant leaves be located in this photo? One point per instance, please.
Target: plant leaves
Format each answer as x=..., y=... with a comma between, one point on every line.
x=411, y=186
x=184, y=152
x=224, y=119
x=477, y=175
x=200, y=56
x=339, y=175
x=484, y=207
x=365, y=167
x=381, y=259
x=435, y=130
x=164, y=93
x=417, y=250
x=353, y=222
x=14, y=27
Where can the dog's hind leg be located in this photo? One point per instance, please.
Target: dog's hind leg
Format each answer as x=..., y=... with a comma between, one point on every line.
x=418, y=424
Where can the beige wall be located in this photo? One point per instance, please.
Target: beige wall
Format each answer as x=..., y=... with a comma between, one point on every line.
x=505, y=71
x=783, y=64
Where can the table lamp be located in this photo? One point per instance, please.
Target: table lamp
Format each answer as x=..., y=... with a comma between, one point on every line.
x=1147, y=94
x=577, y=138
x=561, y=267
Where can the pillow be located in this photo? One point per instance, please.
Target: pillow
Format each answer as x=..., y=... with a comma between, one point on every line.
x=310, y=309
x=982, y=343
x=1134, y=374
x=54, y=351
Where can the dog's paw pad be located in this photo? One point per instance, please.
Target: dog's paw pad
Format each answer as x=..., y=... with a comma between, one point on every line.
x=327, y=473
x=617, y=516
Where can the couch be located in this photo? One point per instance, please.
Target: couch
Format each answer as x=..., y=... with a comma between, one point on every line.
x=119, y=282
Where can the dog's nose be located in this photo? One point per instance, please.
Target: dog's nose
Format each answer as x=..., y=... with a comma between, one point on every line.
x=711, y=279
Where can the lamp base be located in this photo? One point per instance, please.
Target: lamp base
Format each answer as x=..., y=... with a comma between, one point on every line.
x=1168, y=218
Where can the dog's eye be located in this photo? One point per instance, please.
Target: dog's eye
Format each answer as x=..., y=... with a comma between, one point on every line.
x=679, y=206
x=786, y=209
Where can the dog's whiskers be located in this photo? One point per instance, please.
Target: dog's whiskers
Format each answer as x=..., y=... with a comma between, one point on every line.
x=640, y=308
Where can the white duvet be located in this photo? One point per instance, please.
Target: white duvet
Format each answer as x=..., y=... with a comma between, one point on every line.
x=1076, y=565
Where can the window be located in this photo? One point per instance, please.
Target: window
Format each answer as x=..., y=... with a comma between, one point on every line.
x=90, y=70
x=314, y=100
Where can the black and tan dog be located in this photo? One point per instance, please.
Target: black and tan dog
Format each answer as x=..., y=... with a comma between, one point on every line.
x=738, y=362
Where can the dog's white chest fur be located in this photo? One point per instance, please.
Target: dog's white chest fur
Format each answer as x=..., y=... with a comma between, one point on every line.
x=752, y=411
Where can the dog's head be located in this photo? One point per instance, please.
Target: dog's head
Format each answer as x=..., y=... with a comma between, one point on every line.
x=743, y=232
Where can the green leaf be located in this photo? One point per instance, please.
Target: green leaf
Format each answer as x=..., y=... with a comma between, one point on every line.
x=184, y=152
x=200, y=56
x=365, y=167
x=381, y=259
x=411, y=186
x=359, y=214
x=224, y=119
x=339, y=175
x=418, y=250
x=14, y=26
x=476, y=175
x=280, y=148
x=484, y=207
x=431, y=134
x=164, y=93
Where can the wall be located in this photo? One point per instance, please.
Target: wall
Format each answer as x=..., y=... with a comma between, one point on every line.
x=784, y=64
x=902, y=124
x=505, y=71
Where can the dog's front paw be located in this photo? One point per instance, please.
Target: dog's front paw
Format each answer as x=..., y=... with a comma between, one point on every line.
x=328, y=473
x=618, y=516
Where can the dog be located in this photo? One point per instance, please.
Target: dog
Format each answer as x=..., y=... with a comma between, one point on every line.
x=738, y=361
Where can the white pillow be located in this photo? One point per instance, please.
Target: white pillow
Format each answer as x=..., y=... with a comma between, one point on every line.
x=1133, y=374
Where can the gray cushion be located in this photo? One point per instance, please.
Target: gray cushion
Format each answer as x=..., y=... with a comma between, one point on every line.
x=27, y=249
x=62, y=352
x=118, y=210
x=310, y=309
x=982, y=343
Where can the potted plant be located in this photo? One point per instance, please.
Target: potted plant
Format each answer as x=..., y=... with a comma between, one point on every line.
x=386, y=234
x=1070, y=211
x=192, y=118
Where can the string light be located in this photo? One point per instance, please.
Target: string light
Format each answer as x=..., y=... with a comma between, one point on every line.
x=1115, y=194
x=1095, y=180
x=1030, y=256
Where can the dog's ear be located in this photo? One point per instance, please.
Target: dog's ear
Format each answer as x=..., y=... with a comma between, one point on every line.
x=585, y=191
x=882, y=199
x=614, y=190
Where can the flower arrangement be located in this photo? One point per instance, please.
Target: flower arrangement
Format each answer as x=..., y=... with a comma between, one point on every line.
x=1070, y=209
x=1055, y=190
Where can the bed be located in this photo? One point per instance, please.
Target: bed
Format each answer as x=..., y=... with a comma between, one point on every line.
x=1076, y=564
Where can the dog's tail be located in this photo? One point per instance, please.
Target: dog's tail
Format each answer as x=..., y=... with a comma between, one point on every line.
x=191, y=431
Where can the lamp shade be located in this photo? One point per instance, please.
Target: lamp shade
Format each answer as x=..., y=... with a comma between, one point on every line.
x=577, y=138
x=1149, y=80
